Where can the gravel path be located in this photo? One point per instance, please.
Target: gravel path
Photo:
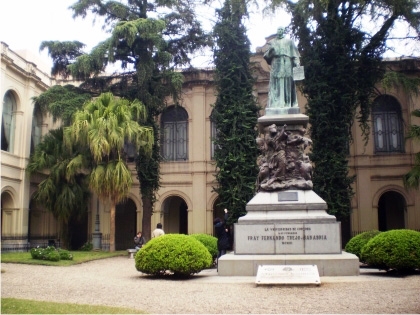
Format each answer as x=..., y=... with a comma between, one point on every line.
x=116, y=282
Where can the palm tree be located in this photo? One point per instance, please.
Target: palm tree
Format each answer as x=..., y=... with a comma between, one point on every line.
x=104, y=125
x=412, y=178
x=64, y=193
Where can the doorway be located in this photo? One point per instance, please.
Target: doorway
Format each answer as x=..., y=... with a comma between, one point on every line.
x=175, y=215
x=391, y=211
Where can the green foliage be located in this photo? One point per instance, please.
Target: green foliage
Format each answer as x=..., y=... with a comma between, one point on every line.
x=149, y=50
x=37, y=253
x=64, y=192
x=342, y=58
x=62, y=54
x=179, y=254
x=79, y=257
x=235, y=113
x=209, y=241
x=104, y=126
x=61, y=102
x=65, y=254
x=412, y=178
x=356, y=244
x=52, y=256
x=395, y=249
x=88, y=246
x=148, y=166
x=22, y=306
x=50, y=253
x=397, y=80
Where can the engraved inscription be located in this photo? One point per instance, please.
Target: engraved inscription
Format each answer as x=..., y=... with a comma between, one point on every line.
x=268, y=274
x=288, y=235
x=288, y=196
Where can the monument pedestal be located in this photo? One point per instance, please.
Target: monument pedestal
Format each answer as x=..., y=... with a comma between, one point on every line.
x=288, y=227
x=286, y=222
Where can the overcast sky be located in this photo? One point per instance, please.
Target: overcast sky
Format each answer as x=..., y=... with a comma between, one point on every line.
x=24, y=24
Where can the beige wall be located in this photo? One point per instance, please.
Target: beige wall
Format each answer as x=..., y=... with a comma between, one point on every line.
x=191, y=180
x=381, y=173
x=24, y=80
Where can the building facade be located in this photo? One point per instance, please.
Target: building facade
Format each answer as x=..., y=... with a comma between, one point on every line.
x=186, y=202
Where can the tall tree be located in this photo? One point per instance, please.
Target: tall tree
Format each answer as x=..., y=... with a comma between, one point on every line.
x=104, y=126
x=235, y=111
x=148, y=40
x=63, y=192
x=342, y=43
x=412, y=178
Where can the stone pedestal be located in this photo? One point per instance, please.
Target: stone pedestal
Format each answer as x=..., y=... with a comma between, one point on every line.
x=287, y=222
x=96, y=240
x=287, y=227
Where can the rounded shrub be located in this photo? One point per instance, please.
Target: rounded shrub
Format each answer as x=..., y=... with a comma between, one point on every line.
x=37, y=253
x=173, y=253
x=65, y=254
x=209, y=241
x=355, y=245
x=48, y=253
x=52, y=255
x=86, y=247
x=395, y=249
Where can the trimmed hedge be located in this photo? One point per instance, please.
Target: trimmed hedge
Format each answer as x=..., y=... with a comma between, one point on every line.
x=355, y=245
x=176, y=254
x=209, y=241
x=394, y=249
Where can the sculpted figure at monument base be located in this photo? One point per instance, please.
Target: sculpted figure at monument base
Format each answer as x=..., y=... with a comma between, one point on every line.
x=283, y=163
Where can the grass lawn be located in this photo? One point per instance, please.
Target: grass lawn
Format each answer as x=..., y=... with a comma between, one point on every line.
x=78, y=258
x=19, y=306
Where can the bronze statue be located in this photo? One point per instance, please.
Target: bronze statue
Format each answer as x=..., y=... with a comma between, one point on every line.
x=283, y=56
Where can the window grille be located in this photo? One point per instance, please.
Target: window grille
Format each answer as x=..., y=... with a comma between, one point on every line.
x=174, y=131
x=8, y=122
x=387, y=125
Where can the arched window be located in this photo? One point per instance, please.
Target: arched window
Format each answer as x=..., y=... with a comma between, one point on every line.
x=36, y=129
x=8, y=122
x=387, y=125
x=174, y=135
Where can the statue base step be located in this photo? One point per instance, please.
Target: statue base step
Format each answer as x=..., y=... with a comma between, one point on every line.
x=344, y=264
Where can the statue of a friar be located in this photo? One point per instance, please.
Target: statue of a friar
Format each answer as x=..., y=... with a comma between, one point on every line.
x=283, y=56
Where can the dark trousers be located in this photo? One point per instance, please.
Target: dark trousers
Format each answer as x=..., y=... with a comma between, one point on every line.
x=221, y=253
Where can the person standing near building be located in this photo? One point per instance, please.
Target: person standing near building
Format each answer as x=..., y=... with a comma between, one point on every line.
x=158, y=231
x=222, y=235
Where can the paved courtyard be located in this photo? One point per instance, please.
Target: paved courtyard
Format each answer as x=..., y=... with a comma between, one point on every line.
x=116, y=282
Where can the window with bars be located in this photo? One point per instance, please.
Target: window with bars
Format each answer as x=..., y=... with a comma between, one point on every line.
x=8, y=122
x=174, y=134
x=387, y=125
x=36, y=134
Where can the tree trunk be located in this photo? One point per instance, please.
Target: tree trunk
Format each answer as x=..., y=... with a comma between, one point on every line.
x=64, y=235
x=147, y=217
x=112, y=228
